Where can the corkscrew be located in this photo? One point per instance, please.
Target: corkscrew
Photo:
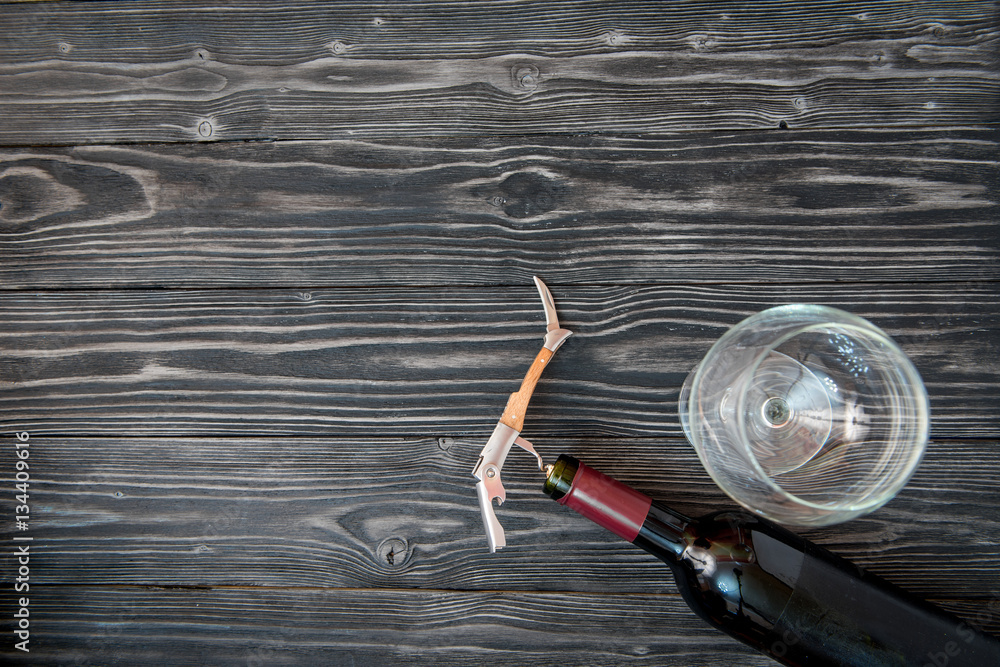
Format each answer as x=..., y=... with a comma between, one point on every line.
x=508, y=430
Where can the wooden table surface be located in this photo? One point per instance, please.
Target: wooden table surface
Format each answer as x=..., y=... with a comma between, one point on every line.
x=265, y=286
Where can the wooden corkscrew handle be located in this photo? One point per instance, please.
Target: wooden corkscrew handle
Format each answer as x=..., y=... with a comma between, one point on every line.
x=517, y=404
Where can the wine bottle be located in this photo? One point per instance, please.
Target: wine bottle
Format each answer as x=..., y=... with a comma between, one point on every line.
x=772, y=589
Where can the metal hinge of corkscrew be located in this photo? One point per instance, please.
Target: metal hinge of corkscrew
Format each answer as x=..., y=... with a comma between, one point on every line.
x=508, y=431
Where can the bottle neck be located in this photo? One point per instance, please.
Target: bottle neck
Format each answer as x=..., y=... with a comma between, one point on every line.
x=664, y=533
x=621, y=509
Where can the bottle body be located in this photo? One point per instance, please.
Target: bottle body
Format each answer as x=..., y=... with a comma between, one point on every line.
x=774, y=590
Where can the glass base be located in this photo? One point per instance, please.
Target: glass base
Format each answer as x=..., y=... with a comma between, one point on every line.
x=787, y=414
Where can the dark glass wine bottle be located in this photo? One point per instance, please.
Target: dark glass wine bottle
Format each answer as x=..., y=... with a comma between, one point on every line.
x=772, y=589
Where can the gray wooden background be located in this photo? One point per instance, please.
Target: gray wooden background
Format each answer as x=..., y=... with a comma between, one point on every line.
x=265, y=286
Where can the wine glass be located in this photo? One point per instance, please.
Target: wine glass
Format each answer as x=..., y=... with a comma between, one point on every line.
x=807, y=415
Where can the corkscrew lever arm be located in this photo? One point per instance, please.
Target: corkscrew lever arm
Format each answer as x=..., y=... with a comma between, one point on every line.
x=507, y=431
x=490, y=487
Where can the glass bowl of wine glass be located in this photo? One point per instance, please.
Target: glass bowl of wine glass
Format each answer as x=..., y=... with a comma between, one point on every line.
x=807, y=415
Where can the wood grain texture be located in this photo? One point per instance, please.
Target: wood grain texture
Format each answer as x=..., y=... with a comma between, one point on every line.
x=257, y=627
x=745, y=207
x=325, y=513
x=265, y=286
x=201, y=71
x=416, y=362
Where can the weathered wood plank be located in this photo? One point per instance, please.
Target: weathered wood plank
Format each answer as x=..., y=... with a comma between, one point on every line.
x=414, y=362
x=162, y=71
x=255, y=627
x=295, y=32
x=748, y=208
x=327, y=512
x=307, y=512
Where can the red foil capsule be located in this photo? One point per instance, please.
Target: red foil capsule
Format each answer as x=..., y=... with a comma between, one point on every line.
x=607, y=502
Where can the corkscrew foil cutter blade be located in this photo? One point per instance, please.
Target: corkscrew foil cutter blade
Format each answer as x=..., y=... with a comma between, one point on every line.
x=508, y=431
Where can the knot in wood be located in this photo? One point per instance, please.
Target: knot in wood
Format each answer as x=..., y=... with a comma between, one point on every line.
x=524, y=76
x=392, y=553
x=702, y=42
x=527, y=194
